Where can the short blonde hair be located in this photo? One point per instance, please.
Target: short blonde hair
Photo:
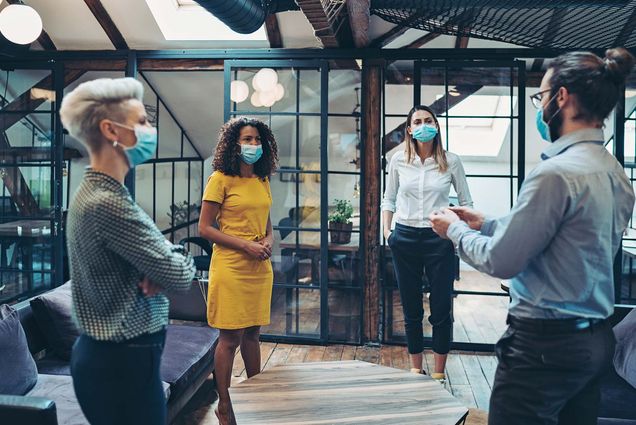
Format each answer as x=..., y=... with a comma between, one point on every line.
x=89, y=103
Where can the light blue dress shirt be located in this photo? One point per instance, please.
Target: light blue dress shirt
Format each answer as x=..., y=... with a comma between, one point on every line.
x=557, y=244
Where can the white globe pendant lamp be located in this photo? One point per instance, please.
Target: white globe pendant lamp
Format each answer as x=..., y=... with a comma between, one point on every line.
x=268, y=98
x=20, y=24
x=280, y=91
x=255, y=100
x=265, y=80
x=239, y=91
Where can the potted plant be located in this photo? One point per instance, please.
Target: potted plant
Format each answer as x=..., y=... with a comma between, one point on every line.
x=340, y=224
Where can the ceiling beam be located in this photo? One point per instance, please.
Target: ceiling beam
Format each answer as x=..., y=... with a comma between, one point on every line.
x=394, y=32
x=22, y=105
x=626, y=31
x=461, y=42
x=273, y=32
x=147, y=65
x=44, y=40
x=104, y=19
x=329, y=20
x=416, y=44
x=359, y=17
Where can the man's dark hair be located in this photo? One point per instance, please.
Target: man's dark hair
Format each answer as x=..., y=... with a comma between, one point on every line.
x=596, y=82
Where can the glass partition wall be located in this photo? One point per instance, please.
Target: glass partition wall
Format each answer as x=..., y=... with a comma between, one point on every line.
x=315, y=118
x=478, y=106
x=30, y=168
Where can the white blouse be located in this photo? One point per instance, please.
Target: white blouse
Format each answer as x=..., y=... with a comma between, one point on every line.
x=415, y=190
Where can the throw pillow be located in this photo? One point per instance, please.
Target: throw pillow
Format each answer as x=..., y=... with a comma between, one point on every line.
x=52, y=312
x=18, y=371
x=625, y=356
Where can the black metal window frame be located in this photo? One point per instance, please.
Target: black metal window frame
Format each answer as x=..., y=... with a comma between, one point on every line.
x=230, y=111
x=54, y=215
x=515, y=67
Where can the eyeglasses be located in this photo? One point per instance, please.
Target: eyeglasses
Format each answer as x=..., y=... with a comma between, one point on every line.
x=536, y=98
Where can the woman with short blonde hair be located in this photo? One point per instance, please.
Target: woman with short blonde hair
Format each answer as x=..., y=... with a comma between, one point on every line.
x=120, y=263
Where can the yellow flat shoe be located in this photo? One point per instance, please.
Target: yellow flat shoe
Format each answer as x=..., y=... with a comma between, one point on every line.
x=439, y=377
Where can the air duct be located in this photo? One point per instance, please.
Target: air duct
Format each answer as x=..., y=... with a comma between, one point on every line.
x=245, y=16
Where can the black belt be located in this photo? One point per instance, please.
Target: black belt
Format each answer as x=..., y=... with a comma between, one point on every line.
x=552, y=326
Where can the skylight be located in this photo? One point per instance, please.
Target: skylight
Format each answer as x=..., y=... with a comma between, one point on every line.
x=187, y=20
x=479, y=136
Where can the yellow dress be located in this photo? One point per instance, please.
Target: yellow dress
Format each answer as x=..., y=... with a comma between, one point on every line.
x=240, y=287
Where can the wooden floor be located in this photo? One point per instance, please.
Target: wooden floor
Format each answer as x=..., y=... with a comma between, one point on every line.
x=470, y=376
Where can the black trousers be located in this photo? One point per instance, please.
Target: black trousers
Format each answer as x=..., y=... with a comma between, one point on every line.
x=550, y=378
x=417, y=251
x=119, y=383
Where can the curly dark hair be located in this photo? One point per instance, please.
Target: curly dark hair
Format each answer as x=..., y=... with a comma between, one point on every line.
x=227, y=156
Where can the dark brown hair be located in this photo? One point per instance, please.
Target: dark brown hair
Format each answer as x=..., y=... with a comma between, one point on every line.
x=596, y=82
x=227, y=155
x=439, y=155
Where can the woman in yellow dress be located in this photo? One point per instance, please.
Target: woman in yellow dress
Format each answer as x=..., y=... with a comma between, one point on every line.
x=237, y=198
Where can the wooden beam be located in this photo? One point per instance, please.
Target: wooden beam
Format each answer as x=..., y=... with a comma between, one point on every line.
x=273, y=32
x=359, y=17
x=372, y=170
x=104, y=19
x=24, y=104
x=330, y=24
x=17, y=186
x=395, y=32
x=180, y=65
x=422, y=40
x=96, y=65
x=461, y=42
x=44, y=40
x=558, y=14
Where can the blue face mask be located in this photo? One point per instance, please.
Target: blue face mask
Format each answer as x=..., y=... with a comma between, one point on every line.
x=145, y=147
x=544, y=127
x=250, y=154
x=425, y=133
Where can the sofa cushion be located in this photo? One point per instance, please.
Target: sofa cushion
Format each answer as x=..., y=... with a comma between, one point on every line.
x=188, y=350
x=53, y=365
x=18, y=373
x=60, y=390
x=618, y=398
x=625, y=356
x=52, y=312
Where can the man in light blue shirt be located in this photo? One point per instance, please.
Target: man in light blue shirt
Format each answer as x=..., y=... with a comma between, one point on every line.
x=557, y=246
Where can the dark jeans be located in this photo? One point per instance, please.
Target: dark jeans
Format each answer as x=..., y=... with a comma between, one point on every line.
x=550, y=378
x=417, y=251
x=119, y=383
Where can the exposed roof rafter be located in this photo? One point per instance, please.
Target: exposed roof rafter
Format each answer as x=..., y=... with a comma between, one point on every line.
x=104, y=19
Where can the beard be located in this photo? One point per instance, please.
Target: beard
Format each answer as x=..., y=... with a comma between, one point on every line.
x=554, y=115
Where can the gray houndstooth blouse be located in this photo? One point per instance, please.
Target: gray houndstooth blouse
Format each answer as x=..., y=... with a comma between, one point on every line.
x=112, y=245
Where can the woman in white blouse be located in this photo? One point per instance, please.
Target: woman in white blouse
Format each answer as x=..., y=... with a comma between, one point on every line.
x=419, y=183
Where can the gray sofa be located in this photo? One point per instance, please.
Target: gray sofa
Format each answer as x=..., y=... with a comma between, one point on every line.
x=187, y=361
x=618, y=397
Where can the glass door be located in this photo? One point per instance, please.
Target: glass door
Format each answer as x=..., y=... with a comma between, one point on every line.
x=314, y=116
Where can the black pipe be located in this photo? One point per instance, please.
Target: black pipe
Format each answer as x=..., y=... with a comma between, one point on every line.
x=245, y=16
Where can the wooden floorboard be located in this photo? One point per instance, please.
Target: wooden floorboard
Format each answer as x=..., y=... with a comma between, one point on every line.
x=469, y=376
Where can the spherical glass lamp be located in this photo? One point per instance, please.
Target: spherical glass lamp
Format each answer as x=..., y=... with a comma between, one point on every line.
x=265, y=80
x=239, y=91
x=20, y=24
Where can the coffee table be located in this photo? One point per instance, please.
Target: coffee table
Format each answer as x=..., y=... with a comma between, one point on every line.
x=343, y=392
